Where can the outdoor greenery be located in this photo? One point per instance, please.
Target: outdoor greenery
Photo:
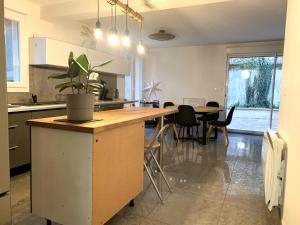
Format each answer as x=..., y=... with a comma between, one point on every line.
x=258, y=85
x=79, y=75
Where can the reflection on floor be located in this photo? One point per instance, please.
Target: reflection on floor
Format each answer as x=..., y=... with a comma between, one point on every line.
x=212, y=186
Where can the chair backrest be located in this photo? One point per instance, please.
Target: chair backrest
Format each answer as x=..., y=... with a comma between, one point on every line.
x=170, y=118
x=185, y=116
x=212, y=104
x=213, y=116
x=229, y=116
x=157, y=136
x=167, y=104
x=194, y=101
x=155, y=104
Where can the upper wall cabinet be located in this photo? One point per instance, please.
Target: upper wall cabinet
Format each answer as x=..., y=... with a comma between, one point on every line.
x=50, y=52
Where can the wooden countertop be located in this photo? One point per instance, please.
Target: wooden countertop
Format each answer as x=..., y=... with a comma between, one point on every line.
x=108, y=119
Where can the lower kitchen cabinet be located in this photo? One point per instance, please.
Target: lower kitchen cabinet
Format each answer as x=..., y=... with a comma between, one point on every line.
x=19, y=134
x=19, y=139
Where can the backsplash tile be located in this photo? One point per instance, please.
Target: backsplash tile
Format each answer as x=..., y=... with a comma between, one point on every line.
x=40, y=85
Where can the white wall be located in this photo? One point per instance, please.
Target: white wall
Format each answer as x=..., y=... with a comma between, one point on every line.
x=193, y=72
x=289, y=122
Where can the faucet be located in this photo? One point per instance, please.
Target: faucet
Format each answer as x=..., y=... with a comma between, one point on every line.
x=34, y=98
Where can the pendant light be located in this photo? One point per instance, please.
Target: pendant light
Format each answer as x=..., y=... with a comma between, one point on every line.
x=113, y=37
x=140, y=46
x=97, y=30
x=126, y=39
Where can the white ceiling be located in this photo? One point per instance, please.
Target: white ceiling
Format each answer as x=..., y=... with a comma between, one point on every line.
x=194, y=22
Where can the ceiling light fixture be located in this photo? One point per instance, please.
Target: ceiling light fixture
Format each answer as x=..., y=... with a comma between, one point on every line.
x=97, y=30
x=126, y=38
x=113, y=37
x=140, y=46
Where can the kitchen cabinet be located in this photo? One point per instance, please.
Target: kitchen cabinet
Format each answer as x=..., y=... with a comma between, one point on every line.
x=19, y=139
x=98, y=167
x=19, y=134
x=43, y=52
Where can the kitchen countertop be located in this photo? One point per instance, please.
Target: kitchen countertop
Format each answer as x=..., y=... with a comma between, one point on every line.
x=106, y=119
x=25, y=108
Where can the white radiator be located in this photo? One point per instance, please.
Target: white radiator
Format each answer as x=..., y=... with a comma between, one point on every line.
x=273, y=158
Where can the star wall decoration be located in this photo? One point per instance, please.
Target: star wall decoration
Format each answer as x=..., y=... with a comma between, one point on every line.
x=151, y=88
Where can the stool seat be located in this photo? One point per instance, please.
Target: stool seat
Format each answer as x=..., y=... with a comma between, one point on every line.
x=147, y=144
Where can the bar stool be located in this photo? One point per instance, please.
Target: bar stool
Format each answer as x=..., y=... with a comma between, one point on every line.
x=151, y=147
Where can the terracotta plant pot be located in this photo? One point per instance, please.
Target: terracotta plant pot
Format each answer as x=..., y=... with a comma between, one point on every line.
x=80, y=107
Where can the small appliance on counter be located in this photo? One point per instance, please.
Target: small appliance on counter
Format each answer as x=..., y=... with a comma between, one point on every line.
x=104, y=91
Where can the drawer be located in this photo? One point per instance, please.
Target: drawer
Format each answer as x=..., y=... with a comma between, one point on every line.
x=19, y=143
x=20, y=116
x=48, y=113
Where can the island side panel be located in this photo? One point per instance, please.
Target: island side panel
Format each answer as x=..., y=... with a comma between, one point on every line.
x=118, y=157
x=62, y=175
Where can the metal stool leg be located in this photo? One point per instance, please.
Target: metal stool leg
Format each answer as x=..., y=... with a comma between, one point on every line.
x=161, y=171
x=153, y=182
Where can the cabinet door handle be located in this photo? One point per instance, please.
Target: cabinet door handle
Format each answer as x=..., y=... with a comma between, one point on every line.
x=13, y=126
x=13, y=148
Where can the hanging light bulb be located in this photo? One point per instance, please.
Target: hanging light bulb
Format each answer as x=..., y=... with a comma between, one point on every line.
x=140, y=47
x=126, y=39
x=97, y=30
x=113, y=38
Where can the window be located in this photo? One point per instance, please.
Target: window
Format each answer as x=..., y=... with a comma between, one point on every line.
x=12, y=45
x=254, y=89
x=17, y=52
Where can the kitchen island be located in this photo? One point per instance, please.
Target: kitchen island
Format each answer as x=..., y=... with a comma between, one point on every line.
x=85, y=173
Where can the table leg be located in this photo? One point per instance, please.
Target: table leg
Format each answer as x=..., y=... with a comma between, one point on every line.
x=160, y=158
x=204, y=129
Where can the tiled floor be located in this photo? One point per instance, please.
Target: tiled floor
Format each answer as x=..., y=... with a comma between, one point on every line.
x=211, y=186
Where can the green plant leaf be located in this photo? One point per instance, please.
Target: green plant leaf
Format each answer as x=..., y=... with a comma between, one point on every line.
x=103, y=64
x=58, y=76
x=73, y=70
x=95, y=85
x=83, y=63
x=78, y=85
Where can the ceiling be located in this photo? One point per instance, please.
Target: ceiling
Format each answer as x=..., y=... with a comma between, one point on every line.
x=193, y=22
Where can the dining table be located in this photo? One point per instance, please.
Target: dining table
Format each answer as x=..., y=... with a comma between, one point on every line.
x=204, y=111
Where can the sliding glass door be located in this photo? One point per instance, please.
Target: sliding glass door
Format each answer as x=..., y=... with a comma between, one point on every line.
x=254, y=88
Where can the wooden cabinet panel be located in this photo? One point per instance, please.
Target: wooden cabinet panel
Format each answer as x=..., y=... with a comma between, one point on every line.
x=118, y=157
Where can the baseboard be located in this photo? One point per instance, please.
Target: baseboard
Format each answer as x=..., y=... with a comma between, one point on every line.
x=20, y=169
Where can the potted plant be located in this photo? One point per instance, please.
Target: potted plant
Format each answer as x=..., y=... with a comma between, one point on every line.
x=80, y=104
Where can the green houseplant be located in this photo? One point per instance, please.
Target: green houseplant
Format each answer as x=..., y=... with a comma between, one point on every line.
x=78, y=78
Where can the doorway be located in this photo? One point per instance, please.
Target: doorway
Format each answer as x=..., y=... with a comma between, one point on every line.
x=253, y=86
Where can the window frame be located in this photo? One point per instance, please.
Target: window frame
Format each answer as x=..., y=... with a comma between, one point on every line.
x=23, y=85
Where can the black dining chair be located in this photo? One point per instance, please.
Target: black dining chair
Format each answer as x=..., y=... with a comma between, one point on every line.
x=186, y=118
x=213, y=116
x=221, y=125
x=170, y=119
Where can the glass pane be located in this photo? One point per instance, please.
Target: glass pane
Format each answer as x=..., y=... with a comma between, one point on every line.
x=277, y=92
x=250, y=90
x=12, y=50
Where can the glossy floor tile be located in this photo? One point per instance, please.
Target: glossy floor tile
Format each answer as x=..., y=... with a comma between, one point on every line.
x=212, y=185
